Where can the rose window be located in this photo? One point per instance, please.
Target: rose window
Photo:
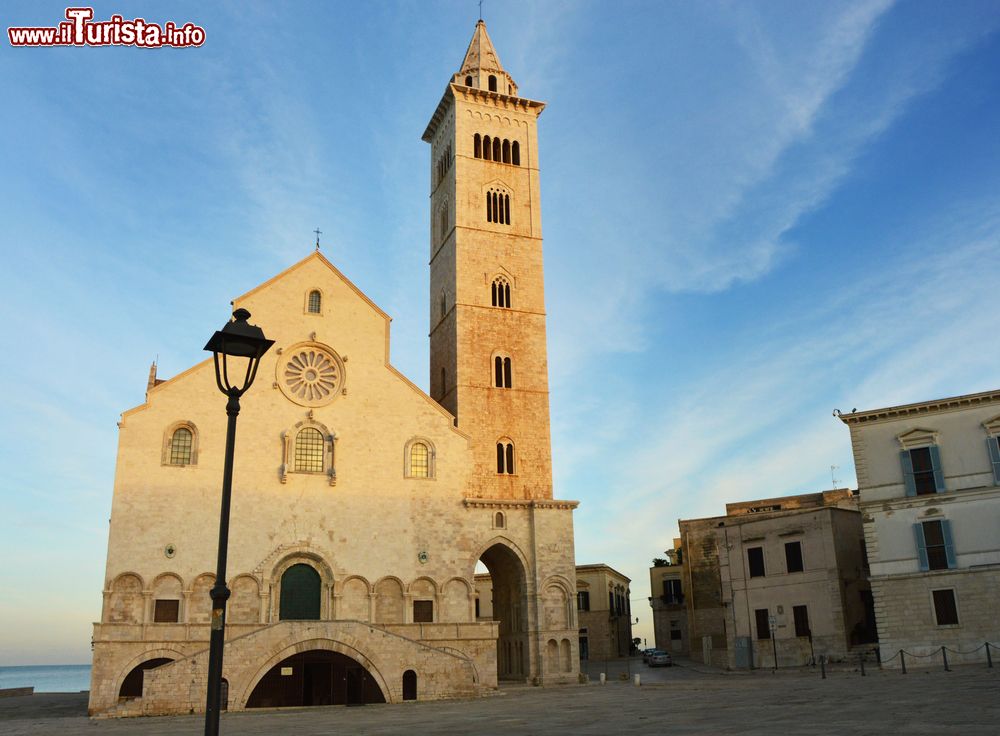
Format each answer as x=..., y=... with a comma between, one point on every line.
x=311, y=376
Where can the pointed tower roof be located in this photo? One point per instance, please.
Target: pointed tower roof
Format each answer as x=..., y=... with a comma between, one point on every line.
x=481, y=53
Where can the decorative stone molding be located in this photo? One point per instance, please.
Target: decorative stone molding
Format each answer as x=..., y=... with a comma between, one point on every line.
x=917, y=438
x=992, y=426
x=310, y=374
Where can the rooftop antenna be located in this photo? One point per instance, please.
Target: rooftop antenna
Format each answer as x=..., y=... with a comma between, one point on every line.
x=833, y=476
x=318, y=233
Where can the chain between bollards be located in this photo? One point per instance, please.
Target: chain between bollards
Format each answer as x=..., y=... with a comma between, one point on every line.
x=902, y=660
x=989, y=659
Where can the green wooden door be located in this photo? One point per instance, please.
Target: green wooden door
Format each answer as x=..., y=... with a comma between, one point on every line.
x=300, y=593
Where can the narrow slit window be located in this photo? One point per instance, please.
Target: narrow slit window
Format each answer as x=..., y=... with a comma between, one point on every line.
x=497, y=155
x=498, y=372
x=507, y=383
x=477, y=145
x=515, y=153
x=487, y=149
x=506, y=151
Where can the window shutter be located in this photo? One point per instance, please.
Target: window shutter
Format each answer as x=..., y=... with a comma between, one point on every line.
x=949, y=546
x=936, y=464
x=907, y=462
x=993, y=443
x=918, y=533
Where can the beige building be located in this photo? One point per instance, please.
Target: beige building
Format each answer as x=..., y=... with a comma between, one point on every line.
x=791, y=581
x=604, y=612
x=666, y=584
x=929, y=478
x=361, y=505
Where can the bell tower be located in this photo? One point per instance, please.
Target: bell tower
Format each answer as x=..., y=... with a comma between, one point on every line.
x=488, y=354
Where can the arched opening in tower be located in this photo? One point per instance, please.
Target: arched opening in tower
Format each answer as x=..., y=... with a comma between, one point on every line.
x=315, y=677
x=501, y=595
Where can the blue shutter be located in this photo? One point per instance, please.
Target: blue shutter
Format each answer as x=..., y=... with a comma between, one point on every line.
x=993, y=443
x=949, y=546
x=904, y=458
x=918, y=533
x=936, y=464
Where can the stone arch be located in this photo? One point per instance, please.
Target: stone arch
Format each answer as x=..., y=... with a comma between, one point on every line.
x=126, y=602
x=147, y=656
x=555, y=601
x=331, y=645
x=354, y=599
x=301, y=554
x=244, y=605
x=456, y=597
x=199, y=607
x=168, y=586
x=509, y=582
x=419, y=591
x=389, y=601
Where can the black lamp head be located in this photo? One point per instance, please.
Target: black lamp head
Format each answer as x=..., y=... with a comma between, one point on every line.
x=238, y=339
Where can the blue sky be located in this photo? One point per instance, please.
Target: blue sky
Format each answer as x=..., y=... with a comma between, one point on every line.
x=754, y=213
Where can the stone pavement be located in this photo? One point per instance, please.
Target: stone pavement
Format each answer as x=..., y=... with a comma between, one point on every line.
x=964, y=702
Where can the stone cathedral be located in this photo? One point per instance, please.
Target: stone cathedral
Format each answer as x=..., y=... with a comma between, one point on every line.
x=362, y=505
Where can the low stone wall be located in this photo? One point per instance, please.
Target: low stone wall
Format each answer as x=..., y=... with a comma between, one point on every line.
x=14, y=692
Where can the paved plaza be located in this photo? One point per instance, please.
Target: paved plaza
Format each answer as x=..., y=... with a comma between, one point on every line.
x=679, y=700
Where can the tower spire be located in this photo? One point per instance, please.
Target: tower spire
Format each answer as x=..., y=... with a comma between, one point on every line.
x=481, y=66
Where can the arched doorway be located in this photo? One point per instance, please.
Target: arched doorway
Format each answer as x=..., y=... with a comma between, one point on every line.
x=503, y=597
x=409, y=685
x=132, y=684
x=300, y=594
x=316, y=677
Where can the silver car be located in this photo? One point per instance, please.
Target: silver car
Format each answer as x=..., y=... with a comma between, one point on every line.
x=660, y=659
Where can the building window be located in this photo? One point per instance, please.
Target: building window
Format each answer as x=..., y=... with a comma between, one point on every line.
x=675, y=635
x=499, y=520
x=935, y=549
x=763, y=623
x=468, y=80
x=444, y=303
x=419, y=460
x=493, y=83
x=497, y=206
x=477, y=608
x=505, y=457
x=166, y=611
x=922, y=471
x=755, y=559
x=314, y=302
x=801, y=615
x=672, y=595
x=477, y=145
x=501, y=372
x=423, y=612
x=945, y=609
x=583, y=600
x=500, y=292
x=497, y=150
x=505, y=151
x=309, y=449
x=487, y=148
x=443, y=221
x=181, y=443
x=793, y=556
x=993, y=445
x=515, y=153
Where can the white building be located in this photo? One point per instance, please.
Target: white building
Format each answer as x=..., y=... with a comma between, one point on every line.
x=929, y=478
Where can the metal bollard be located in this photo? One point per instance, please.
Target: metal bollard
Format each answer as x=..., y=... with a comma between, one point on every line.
x=862, y=658
x=944, y=656
x=603, y=678
x=822, y=666
x=989, y=659
x=902, y=660
x=637, y=681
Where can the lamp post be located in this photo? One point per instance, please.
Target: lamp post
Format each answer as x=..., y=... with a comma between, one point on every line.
x=237, y=339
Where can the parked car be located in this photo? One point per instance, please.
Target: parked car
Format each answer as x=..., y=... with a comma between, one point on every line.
x=660, y=659
x=646, y=653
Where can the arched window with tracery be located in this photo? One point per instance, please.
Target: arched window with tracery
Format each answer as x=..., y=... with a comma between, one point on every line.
x=309, y=450
x=477, y=145
x=500, y=292
x=315, y=302
x=505, y=457
x=497, y=206
x=515, y=153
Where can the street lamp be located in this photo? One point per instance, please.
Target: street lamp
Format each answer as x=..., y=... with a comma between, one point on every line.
x=237, y=339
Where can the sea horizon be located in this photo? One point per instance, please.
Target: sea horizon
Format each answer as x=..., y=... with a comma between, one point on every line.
x=47, y=678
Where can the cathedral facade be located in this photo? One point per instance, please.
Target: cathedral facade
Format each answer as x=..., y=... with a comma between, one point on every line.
x=361, y=504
